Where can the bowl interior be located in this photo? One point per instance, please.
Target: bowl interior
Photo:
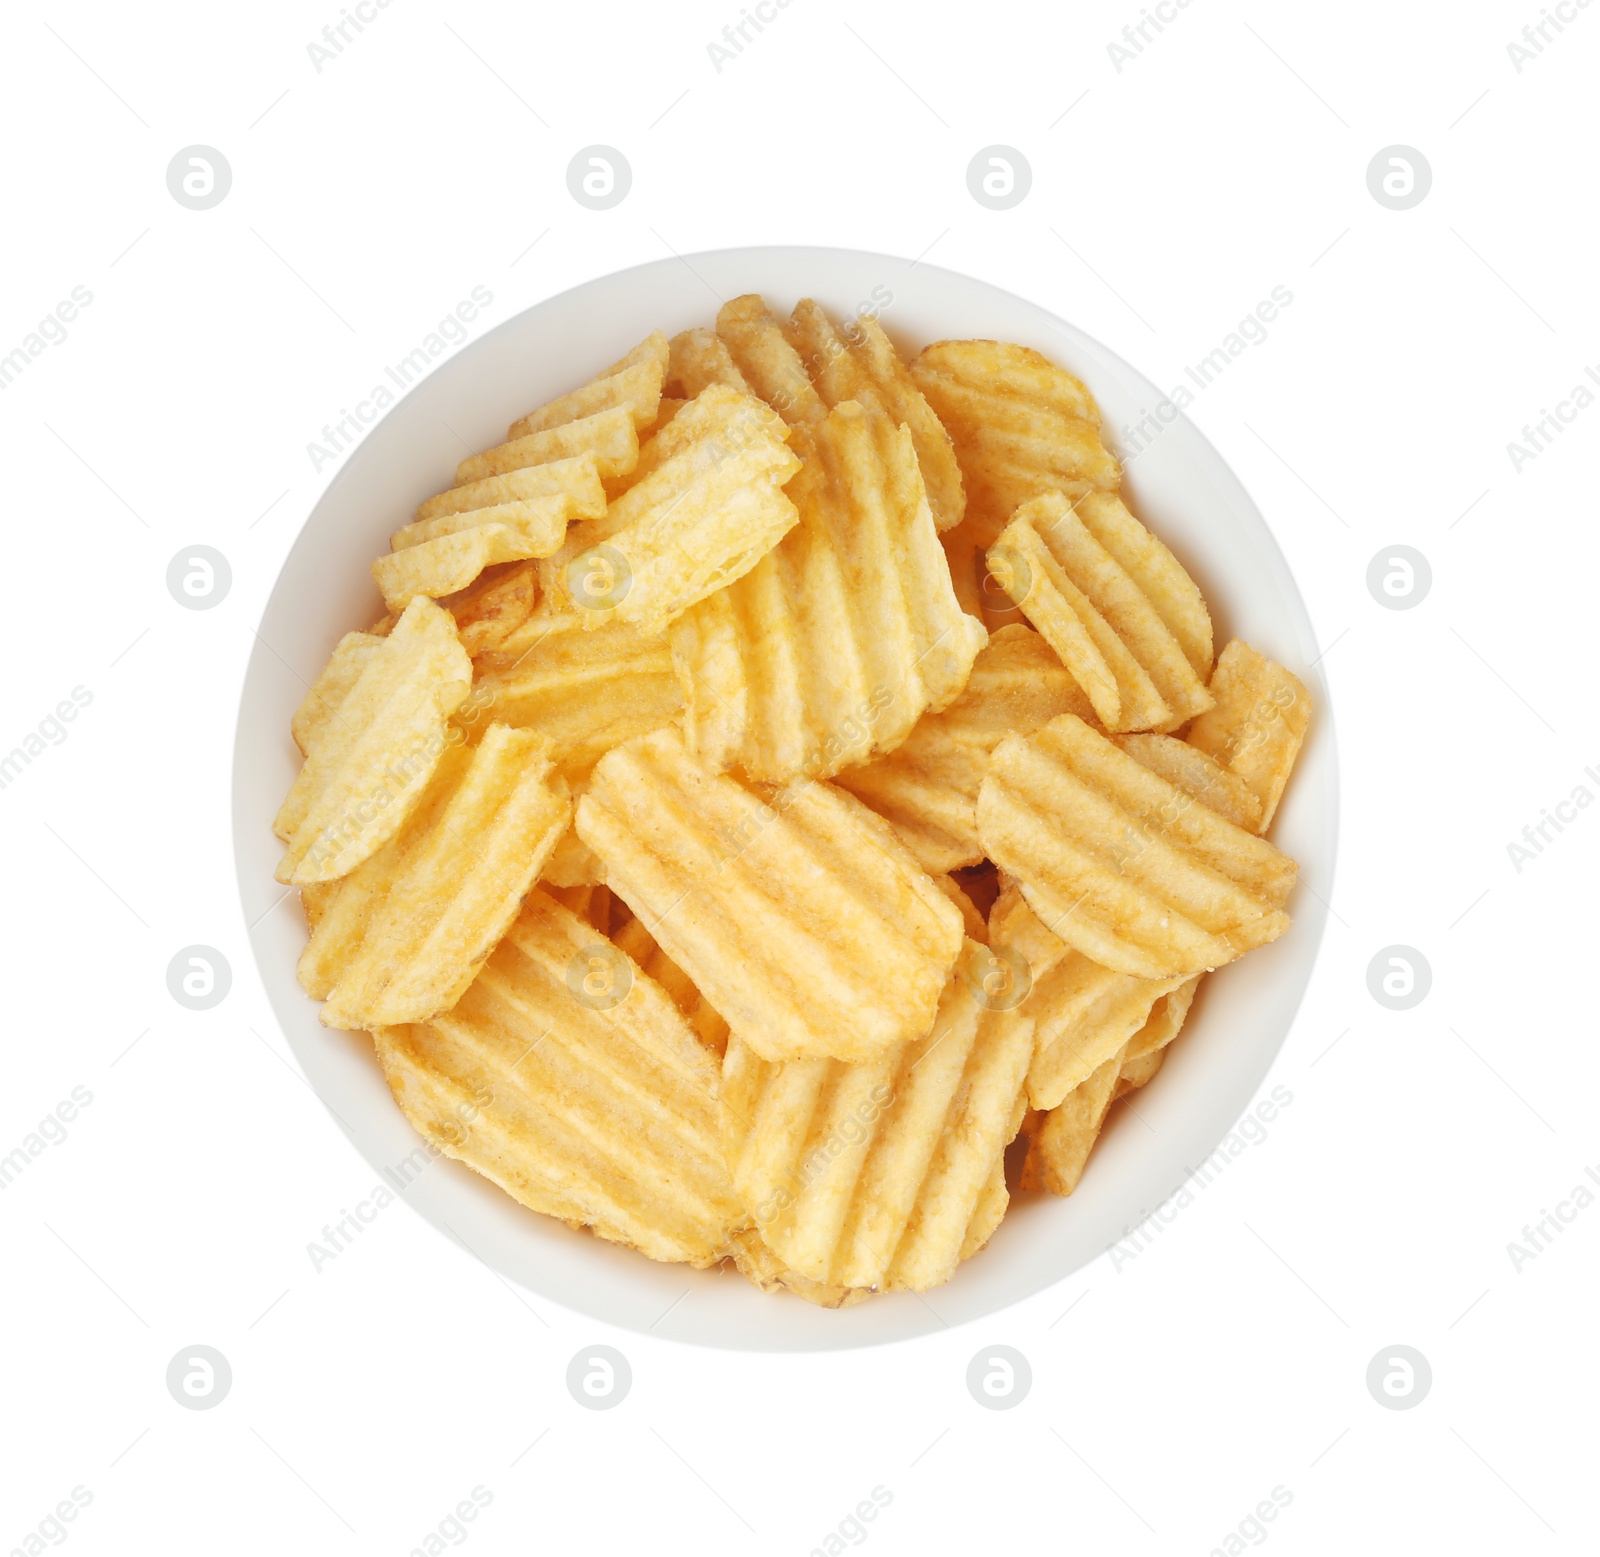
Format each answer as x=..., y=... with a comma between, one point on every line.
x=1177, y=484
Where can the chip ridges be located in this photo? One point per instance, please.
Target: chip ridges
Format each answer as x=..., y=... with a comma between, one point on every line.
x=370, y=761
x=633, y=383
x=411, y=926
x=871, y=1175
x=585, y=692
x=801, y=917
x=840, y=638
x=1096, y=618
x=927, y=788
x=602, y=1114
x=1020, y=425
x=1122, y=865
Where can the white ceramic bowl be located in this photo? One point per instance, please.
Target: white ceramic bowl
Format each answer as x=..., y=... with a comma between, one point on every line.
x=1179, y=486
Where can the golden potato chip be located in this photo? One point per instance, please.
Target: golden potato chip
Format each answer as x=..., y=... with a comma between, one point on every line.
x=703, y=516
x=800, y=916
x=576, y=478
x=610, y=436
x=1192, y=771
x=314, y=899
x=1082, y=1014
x=974, y=926
x=838, y=640
x=1160, y=577
x=1059, y=1142
x=634, y=383
x=701, y=357
x=860, y=363
x=443, y=556
x=330, y=689
x=494, y=606
x=369, y=764
x=767, y=362
x=1166, y=1021
x=585, y=692
x=639, y=944
x=1122, y=865
x=993, y=1199
x=927, y=788
x=757, y=1263
x=568, y=1078
x=591, y=903
x=1095, y=617
x=411, y=926
x=1259, y=719
x=1020, y=425
x=572, y=863
x=979, y=592
x=869, y=1175
x=668, y=408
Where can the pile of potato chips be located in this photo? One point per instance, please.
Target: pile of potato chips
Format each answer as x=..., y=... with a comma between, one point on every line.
x=786, y=776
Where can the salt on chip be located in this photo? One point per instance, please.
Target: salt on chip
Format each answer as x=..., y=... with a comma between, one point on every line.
x=1137, y=875
x=633, y=383
x=798, y=913
x=411, y=926
x=569, y=1078
x=927, y=788
x=1197, y=774
x=859, y=362
x=1257, y=725
x=869, y=1175
x=1096, y=618
x=370, y=762
x=843, y=635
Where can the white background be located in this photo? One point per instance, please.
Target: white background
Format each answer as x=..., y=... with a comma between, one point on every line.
x=1170, y=1395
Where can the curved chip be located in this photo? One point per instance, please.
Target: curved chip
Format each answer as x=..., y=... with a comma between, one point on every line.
x=927, y=788
x=871, y=1175
x=1096, y=618
x=800, y=916
x=569, y=1078
x=409, y=928
x=841, y=637
x=633, y=383
x=1122, y=865
x=370, y=762
x=766, y=360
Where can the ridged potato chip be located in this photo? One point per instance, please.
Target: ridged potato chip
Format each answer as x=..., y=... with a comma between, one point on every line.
x=1096, y=618
x=700, y=357
x=1082, y=1014
x=927, y=788
x=839, y=639
x=1192, y=771
x=1020, y=425
x=800, y=916
x=859, y=362
x=1059, y=1142
x=611, y=436
x=332, y=686
x=1122, y=865
x=762, y=1268
x=409, y=928
x=371, y=760
x=569, y=1078
x=633, y=383
x=494, y=606
x=639, y=944
x=704, y=515
x=585, y=692
x=870, y=1175
x=766, y=360
x=1256, y=727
